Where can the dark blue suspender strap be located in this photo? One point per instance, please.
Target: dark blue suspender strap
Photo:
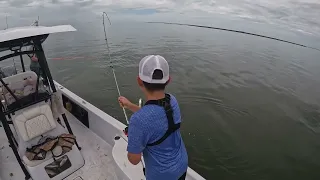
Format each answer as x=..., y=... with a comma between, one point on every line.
x=172, y=127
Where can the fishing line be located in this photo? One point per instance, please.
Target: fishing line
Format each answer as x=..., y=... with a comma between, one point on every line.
x=7, y=22
x=113, y=71
x=115, y=77
x=237, y=31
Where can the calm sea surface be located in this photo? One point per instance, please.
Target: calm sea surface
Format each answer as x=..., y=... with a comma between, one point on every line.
x=250, y=106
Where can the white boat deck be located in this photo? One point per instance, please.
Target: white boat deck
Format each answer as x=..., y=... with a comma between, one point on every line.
x=9, y=166
x=103, y=145
x=97, y=153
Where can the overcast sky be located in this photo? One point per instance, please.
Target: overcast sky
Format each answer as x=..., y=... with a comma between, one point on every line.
x=299, y=14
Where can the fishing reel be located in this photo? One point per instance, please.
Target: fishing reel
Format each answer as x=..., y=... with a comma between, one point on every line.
x=125, y=131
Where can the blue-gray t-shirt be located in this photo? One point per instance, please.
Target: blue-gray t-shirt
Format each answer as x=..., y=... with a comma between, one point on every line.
x=165, y=161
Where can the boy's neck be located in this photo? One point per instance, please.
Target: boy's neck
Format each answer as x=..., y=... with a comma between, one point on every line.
x=155, y=95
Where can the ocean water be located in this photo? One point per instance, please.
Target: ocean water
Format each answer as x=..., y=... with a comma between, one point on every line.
x=250, y=106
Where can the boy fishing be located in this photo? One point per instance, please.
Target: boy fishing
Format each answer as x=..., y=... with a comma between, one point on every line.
x=155, y=128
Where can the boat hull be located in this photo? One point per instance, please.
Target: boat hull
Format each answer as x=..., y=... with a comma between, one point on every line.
x=111, y=131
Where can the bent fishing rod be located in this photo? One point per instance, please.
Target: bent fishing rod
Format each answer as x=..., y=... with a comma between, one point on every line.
x=237, y=31
x=113, y=71
x=115, y=79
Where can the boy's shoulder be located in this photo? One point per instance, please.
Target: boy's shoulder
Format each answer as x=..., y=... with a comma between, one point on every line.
x=172, y=97
x=144, y=114
x=151, y=111
x=173, y=100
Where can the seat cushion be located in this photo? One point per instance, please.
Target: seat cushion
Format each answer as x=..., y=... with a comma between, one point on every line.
x=21, y=85
x=34, y=121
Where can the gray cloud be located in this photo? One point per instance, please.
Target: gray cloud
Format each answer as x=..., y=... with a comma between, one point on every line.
x=55, y=1
x=297, y=14
x=83, y=3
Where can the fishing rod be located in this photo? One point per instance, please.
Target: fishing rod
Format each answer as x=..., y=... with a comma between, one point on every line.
x=237, y=31
x=115, y=79
x=113, y=71
x=7, y=22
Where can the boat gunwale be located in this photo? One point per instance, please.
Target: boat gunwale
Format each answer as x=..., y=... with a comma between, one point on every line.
x=112, y=121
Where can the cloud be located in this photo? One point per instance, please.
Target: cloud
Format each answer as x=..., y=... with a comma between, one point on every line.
x=300, y=14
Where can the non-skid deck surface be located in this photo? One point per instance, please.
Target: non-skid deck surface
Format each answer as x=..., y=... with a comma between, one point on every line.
x=96, y=152
x=9, y=166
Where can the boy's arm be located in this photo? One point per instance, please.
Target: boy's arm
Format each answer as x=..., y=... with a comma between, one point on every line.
x=134, y=158
x=137, y=140
x=133, y=107
x=124, y=102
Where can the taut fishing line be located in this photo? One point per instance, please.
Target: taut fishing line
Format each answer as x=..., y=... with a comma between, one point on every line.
x=115, y=77
x=113, y=71
x=237, y=31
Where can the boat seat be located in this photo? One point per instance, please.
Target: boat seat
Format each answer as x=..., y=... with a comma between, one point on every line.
x=34, y=121
x=28, y=75
x=33, y=125
x=21, y=85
